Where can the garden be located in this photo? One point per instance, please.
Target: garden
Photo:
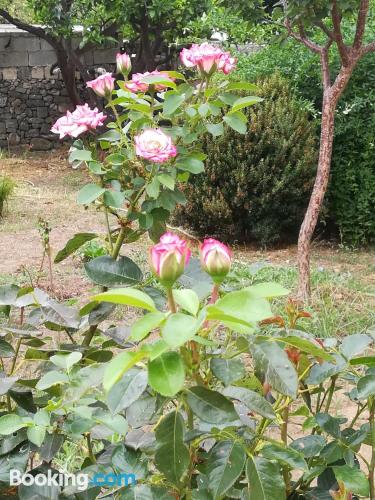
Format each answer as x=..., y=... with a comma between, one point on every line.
x=187, y=279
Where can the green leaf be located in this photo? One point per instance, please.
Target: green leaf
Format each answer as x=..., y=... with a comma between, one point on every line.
x=355, y=344
x=190, y=164
x=166, y=374
x=118, y=366
x=36, y=434
x=6, y=383
x=6, y=350
x=321, y=372
x=236, y=122
x=309, y=446
x=242, y=86
x=244, y=102
x=73, y=245
x=187, y=299
x=50, y=379
x=167, y=181
x=109, y=272
x=305, y=346
x=268, y=290
x=8, y=294
x=170, y=429
x=113, y=199
x=224, y=466
x=265, y=480
x=51, y=446
x=172, y=102
x=10, y=423
x=127, y=297
x=273, y=362
x=110, y=136
x=127, y=390
x=66, y=361
x=173, y=462
x=210, y=406
x=158, y=80
x=366, y=387
x=169, y=438
x=125, y=459
x=227, y=370
x=354, y=479
x=216, y=129
x=254, y=401
x=116, y=159
x=363, y=360
x=153, y=189
x=89, y=193
x=115, y=423
x=80, y=155
x=179, y=328
x=203, y=109
x=285, y=456
x=144, y=325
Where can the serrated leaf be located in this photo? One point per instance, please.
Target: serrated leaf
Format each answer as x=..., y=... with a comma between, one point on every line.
x=10, y=423
x=224, y=466
x=179, y=328
x=166, y=374
x=109, y=272
x=89, y=193
x=285, y=456
x=144, y=325
x=227, y=370
x=127, y=390
x=254, y=401
x=118, y=366
x=210, y=406
x=265, y=480
x=128, y=297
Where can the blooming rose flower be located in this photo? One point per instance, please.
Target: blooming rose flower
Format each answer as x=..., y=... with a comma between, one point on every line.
x=207, y=58
x=169, y=257
x=123, y=63
x=103, y=85
x=154, y=145
x=82, y=119
x=137, y=85
x=216, y=259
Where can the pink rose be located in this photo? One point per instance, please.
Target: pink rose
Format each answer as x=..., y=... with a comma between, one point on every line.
x=103, y=85
x=81, y=120
x=216, y=259
x=123, y=63
x=208, y=58
x=136, y=84
x=169, y=258
x=155, y=145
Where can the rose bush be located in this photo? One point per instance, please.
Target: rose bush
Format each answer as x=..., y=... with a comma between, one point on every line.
x=195, y=391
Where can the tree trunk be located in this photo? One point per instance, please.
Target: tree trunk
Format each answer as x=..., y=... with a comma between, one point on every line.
x=331, y=97
x=317, y=196
x=68, y=72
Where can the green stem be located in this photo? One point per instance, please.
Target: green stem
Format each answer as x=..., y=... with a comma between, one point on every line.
x=90, y=450
x=119, y=242
x=171, y=302
x=330, y=393
x=17, y=350
x=89, y=335
x=371, y=476
x=284, y=438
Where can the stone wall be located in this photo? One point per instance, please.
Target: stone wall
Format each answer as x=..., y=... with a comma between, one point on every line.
x=32, y=94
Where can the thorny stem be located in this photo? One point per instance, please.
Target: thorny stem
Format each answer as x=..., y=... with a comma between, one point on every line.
x=89, y=335
x=330, y=393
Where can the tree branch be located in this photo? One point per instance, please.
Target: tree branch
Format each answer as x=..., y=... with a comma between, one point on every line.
x=301, y=37
x=368, y=48
x=336, y=20
x=361, y=23
x=34, y=30
x=326, y=76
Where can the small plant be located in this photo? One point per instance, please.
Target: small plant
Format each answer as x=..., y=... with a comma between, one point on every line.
x=91, y=250
x=7, y=186
x=44, y=231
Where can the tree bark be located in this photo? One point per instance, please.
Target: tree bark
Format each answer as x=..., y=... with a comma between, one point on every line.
x=331, y=97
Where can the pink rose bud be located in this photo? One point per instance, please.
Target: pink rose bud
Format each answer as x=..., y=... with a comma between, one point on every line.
x=81, y=120
x=154, y=145
x=123, y=64
x=169, y=258
x=216, y=259
x=103, y=85
x=207, y=58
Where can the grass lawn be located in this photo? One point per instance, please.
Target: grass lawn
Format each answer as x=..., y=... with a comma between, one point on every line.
x=343, y=280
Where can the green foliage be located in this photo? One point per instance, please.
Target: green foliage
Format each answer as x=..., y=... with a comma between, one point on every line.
x=256, y=186
x=7, y=186
x=153, y=409
x=350, y=201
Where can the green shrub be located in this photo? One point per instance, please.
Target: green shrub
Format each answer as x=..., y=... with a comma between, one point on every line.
x=350, y=201
x=7, y=186
x=256, y=186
